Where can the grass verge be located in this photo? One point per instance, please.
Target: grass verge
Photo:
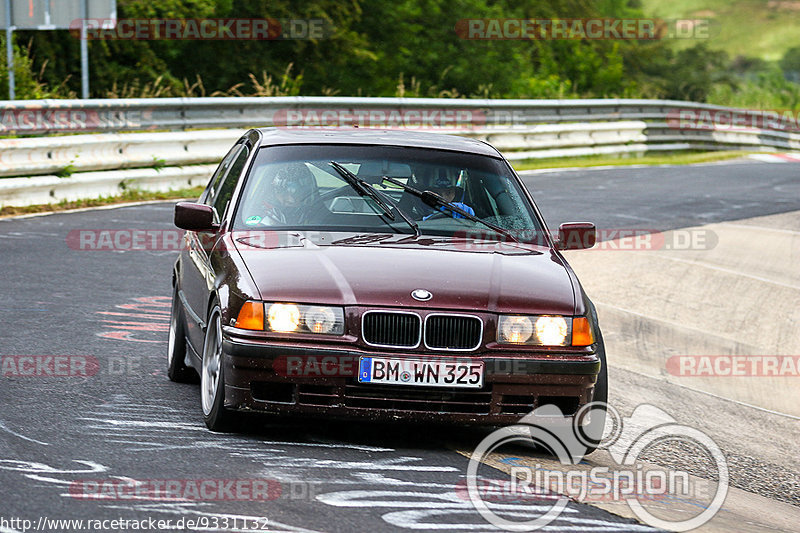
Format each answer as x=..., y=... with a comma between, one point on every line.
x=598, y=161
x=130, y=195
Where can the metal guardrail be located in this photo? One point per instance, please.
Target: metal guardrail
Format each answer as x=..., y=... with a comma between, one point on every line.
x=40, y=117
x=105, y=162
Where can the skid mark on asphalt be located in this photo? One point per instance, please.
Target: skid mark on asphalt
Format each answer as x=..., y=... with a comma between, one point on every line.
x=68, y=477
x=21, y=436
x=143, y=319
x=408, y=488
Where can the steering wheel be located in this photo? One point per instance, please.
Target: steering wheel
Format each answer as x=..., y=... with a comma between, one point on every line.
x=318, y=212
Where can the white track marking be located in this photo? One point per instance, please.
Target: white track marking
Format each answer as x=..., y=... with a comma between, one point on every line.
x=21, y=436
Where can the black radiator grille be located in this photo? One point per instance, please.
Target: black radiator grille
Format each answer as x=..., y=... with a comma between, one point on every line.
x=390, y=329
x=453, y=332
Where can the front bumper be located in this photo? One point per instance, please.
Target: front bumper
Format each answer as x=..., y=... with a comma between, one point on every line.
x=266, y=378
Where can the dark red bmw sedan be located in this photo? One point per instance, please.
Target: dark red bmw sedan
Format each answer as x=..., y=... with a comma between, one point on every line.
x=379, y=274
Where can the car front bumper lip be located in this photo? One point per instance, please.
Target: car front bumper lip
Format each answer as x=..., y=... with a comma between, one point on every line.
x=495, y=364
x=257, y=380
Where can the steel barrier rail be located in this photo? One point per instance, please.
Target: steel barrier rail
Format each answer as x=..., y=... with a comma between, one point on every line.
x=106, y=163
x=81, y=153
x=39, y=117
x=67, y=155
x=102, y=164
x=52, y=189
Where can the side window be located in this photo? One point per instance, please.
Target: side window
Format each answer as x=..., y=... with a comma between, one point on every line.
x=213, y=185
x=225, y=189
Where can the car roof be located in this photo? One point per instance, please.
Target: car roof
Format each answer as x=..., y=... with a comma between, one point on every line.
x=378, y=137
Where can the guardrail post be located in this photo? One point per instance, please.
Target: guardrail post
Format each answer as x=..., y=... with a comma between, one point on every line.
x=10, y=51
x=84, y=51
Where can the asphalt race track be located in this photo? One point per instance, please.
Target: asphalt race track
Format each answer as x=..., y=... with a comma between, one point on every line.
x=126, y=421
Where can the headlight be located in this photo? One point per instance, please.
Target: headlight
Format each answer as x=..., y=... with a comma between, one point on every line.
x=534, y=330
x=319, y=319
x=294, y=318
x=515, y=329
x=283, y=318
x=551, y=330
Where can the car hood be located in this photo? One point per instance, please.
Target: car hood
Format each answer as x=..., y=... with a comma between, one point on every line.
x=460, y=274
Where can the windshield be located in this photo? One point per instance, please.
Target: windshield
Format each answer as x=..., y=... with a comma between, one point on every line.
x=297, y=187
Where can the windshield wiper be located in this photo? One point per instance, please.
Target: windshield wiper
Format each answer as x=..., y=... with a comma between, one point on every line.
x=365, y=189
x=436, y=201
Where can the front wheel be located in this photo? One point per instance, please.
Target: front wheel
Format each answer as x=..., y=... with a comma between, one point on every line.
x=212, y=379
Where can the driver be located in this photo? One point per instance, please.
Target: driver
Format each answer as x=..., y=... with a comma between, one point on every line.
x=447, y=186
x=293, y=189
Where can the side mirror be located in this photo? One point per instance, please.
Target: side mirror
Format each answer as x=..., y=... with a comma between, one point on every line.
x=195, y=217
x=576, y=235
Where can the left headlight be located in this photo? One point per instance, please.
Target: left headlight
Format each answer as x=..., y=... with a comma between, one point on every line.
x=294, y=318
x=544, y=330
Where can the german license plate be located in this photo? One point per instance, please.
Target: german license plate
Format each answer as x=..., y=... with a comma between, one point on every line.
x=426, y=373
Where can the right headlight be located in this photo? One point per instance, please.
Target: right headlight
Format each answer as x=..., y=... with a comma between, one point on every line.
x=298, y=318
x=542, y=330
x=291, y=318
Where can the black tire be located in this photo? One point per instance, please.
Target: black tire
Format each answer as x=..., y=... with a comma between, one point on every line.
x=212, y=378
x=176, y=355
x=592, y=435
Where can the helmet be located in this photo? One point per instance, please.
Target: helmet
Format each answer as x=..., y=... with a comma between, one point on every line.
x=443, y=180
x=446, y=181
x=293, y=184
